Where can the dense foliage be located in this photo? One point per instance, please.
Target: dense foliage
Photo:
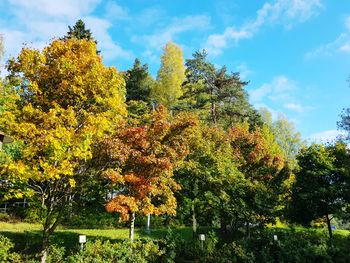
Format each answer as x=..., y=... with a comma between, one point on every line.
x=93, y=147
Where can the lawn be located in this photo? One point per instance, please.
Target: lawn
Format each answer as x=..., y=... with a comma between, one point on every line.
x=27, y=237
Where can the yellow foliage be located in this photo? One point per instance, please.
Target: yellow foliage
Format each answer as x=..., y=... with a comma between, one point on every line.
x=66, y=100
x=170, y=77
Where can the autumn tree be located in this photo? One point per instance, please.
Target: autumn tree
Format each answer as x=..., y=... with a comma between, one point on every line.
x=170, y=76
x=66, y=100
x=262, y=162
x=140, y=163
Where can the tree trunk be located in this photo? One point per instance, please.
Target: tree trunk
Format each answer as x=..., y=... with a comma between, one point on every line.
x=148, y=225
x=132, y=226
x=329, y=226
x=247, y=229
x=194, y=222
x=45, y=246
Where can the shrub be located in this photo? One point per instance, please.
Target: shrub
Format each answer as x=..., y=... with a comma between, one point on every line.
x=6, y=247
x=121, y=252
x=4, y=217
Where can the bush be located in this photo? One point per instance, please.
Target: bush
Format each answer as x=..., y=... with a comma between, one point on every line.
x=4, y=217
x=121, y=252
x=5, y=251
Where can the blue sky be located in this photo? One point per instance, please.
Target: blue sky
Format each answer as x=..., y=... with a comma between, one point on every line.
x=295, y=53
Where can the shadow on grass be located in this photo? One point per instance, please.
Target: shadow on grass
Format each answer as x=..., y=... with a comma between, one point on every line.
x=28, y=243
x=184, y=232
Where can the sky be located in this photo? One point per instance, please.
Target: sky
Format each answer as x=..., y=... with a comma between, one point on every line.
x=294, y=53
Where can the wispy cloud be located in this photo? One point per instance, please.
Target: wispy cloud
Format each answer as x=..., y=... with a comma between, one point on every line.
x=285, y=12
x=244, y=70
x=114, y=11
x=278, y=89
x=155, y=41
x=340, y=45
x=281, y=92
x=325, y=136
x=178, y=25
x=296, y=107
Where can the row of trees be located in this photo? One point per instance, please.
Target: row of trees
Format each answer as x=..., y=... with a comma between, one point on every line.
x=187, y=144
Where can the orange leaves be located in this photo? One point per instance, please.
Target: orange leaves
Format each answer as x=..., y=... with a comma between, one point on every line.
x=256, y=151
x=124, y=205
x=145, y=157
x=114, y=176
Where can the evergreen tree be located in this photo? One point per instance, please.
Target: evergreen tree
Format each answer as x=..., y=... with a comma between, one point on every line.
x=79, y=31
x=138, y=82
x=216, y=95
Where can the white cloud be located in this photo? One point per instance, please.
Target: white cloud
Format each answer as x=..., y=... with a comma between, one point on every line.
x=179, y=25
x=258, y=94
x=325, y=136
x=285, y=12
x=149, y=16
x=345, y=48
x=296, y=107
x=279, y=93
x=278, y=89
x=116, y=12
x=244, y=70
x=156, y=41
x=110, y=49
x=36, y=22
x=340, y=44
x=53, y=9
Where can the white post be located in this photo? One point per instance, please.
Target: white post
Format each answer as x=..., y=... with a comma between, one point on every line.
x=148, y=225
x=202, y=239
x=82, y=241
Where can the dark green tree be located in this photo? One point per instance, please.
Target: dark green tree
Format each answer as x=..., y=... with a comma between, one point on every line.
x=318, y=190
x=138, y=82
x=216, y=95
x=79, y=31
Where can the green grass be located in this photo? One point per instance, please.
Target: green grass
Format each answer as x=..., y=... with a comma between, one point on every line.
x=117, y=233
x=27, y=237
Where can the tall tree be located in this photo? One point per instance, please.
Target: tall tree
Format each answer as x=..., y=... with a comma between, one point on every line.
x=66, y=100
x=138, y=82
x=206, y=177
x=262, y=162
x=285, y=134
x=318, y=188
x=170, y=76
x=217, y=96
x=140, y=162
